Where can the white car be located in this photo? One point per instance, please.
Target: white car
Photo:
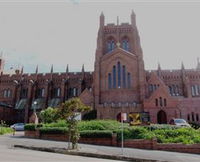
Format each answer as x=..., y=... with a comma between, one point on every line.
x=18, y=126
x=179, y=122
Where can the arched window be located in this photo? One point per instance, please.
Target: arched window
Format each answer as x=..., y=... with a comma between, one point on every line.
x=154, y=87
x=110, y=45
x=124, y=76
x=165, y=102
x=156, y=101
x=5, y=93
x=161, y=103
x=196, y=90
x=119, y=74
x=170, y=90
x=192, y=116
x=125, y=44
x=114, y=76
x=197, y=117
x=129, y=80
x=193, y=91
x=177, y=90
x=109, y=81
x=75, y=92
x=188, y=117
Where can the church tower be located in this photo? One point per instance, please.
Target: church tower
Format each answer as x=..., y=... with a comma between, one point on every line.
x=119, y=75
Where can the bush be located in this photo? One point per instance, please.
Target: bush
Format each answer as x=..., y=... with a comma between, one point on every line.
x=5, y=130
x=96, y=134
x=161, y=126
x=99, y=125
x=180, y=135
x=32, y=127
x=49, y=115
x=195, y=125
x=59, y=123
x=136, y=132
x=53, y=130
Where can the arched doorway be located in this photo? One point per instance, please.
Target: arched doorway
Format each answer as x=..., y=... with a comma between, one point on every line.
x=161, y=117
x=119, y=117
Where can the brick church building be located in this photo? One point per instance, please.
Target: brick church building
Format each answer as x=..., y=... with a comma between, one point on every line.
x=119, y=83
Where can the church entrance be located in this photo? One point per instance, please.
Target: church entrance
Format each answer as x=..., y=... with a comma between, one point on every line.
x=161, y=117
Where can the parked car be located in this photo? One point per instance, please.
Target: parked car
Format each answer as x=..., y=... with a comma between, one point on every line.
x=179, y=122
x=18, y=126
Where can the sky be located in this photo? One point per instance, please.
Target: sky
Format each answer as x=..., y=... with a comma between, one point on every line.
x=61, y=32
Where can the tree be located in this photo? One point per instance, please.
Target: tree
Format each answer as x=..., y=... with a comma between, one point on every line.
x=69, y=110
x=49, y=115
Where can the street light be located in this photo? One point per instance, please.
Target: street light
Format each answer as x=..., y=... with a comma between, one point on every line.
x=34, y=107
x=34, y=112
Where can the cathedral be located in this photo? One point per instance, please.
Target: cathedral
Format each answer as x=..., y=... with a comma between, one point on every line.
x=118, y=84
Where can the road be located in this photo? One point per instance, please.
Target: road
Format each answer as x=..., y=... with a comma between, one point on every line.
x=7, y=153
x=10, y=154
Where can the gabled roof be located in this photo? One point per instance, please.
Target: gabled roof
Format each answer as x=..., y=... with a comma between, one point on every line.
x=116, y=51
x=86, y=96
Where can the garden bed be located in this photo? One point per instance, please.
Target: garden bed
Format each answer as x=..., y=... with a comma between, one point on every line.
x=99, y=132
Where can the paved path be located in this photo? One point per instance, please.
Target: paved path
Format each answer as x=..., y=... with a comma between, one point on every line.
x=105, y=150
x=10, y=154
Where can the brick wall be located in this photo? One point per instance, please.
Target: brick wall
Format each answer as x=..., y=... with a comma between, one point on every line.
x=136, y=143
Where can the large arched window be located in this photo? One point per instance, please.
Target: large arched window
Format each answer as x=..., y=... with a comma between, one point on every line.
x=109, y=81
x=125, y=44
x=114, y=76
x=124, y=76
x=129, y=80
x=110, y=45
x=119, y=77
x=119, y=74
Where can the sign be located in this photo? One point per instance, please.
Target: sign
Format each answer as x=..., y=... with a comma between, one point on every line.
x=139, y=118
x=123, y=116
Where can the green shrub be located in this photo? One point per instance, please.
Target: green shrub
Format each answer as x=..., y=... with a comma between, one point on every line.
x=135, y=132
x=99, y=125
x=32, y=127
x=53, y=130
x=49, y=115
x=96, y=134
x=5, y=130
x=195, y=125
x=161, y=126
x=59, y=123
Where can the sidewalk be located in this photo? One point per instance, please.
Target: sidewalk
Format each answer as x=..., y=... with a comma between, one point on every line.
x=99, y=151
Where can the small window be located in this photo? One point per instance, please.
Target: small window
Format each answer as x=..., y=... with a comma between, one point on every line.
x=192, y=116
x=129, y=80
x=161, y=103
x=165, y=102
x=156, y=102
x=197, y=117
x=188, y=117
x=109, y=81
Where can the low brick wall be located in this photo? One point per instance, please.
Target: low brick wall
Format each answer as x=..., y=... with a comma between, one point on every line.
x=56, y=137
x=141, y=143
x=191, y=148
x=30, y=134
x=97, y=141
x=132, y=143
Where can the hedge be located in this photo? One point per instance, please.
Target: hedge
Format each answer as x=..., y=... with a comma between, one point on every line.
x=31, y=127
x=96, y=134
x=53, y=130
x=5, y=130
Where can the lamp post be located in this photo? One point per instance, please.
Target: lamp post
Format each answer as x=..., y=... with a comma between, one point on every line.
x=34, y=107
x=34, y=112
